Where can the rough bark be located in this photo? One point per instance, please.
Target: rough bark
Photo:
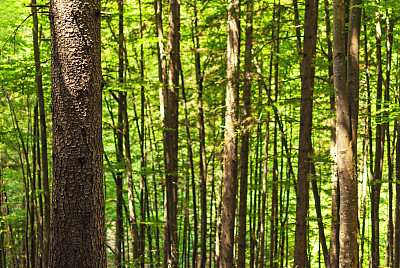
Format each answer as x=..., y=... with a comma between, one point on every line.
x=244, y=150
x=230, y=149
x=305, y=143
x=78, y=227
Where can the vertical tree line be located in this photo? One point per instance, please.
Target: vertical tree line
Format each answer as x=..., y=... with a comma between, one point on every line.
x=190, y=134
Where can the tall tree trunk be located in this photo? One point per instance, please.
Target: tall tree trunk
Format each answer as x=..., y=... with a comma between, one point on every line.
x=230, y=149
x=171, y=97
x=347, y=117
x=390, y=154
x=305, y=144
x=190, y=154
x=77, y=140
x=379, y=148
x=369, y=137
x=244, y=150
x=142, y=134
x=119, y=228
x=396, y=248
x=334, y=238
x=43, y=135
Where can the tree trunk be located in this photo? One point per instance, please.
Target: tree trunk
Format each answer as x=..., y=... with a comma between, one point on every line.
x=171, y=97
x=230, y=149
x=305, y=144
x=78, y=222
x=43, y=136
x=390, y=153
x=379, y=148
x=119, y=228
x=396, y=248
x=334, y=238
x=244, y=150
x=347, y=113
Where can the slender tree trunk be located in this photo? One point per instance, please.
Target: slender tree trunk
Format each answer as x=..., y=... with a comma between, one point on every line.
x=230, y=149
x=43, y=135
x=202, y=139
x=77, y=141
x=369, y=136
x=32, y=212
x=143, y=164
x=390, y=153
x=396, y=263
x=190, y=154
x=244, y=151
x=321, y=233
x=379, y=148
x=334, y=238
x=305, y=144
x=171, y=138
x=119, y=228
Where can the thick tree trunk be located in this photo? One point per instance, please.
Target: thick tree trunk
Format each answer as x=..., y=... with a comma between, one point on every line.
x=230, y=149
x=347, y=113
x=305, y=144
x=78, y=227
x=171, y=138
x=244, y=150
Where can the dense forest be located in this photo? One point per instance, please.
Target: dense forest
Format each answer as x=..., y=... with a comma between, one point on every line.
x=199, y=133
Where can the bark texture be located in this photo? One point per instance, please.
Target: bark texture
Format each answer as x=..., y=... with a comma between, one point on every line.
x=77, y=230
x=230, y=150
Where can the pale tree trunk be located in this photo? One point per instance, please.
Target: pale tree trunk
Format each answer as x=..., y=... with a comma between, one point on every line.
x=244, y=150
x=171, y=96
x=347, y=119
x=230, y=149
x=305, y=143
x=334, y=238
x=379, y=148
x=202, y=141
x=77, y=140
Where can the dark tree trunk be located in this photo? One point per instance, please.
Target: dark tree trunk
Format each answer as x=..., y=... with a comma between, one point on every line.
x=305, y=144
x=78, y=224
x=171, y=97
x=244, y=150
x=119, y=228
x=43, y=136
x=396, y=248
